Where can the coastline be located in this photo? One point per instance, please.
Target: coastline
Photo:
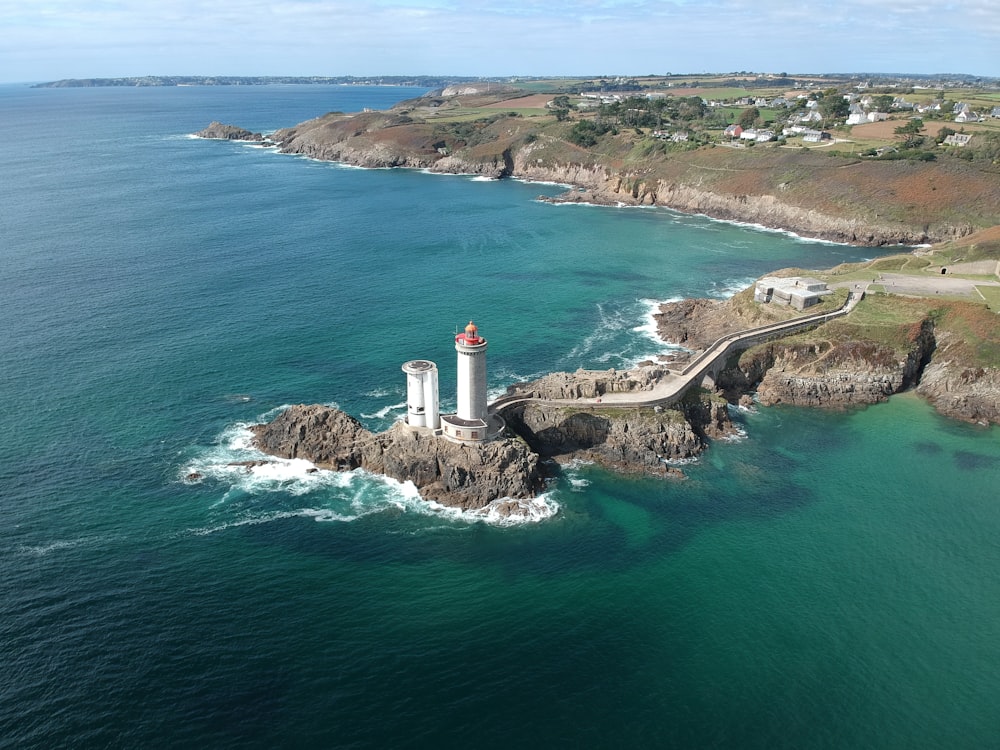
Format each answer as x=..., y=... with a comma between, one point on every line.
x=376, y=140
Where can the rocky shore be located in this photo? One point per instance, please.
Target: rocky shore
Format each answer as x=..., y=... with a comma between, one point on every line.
x=836, y=366
x=496, y=475
x=218, y=131
x=392, y=139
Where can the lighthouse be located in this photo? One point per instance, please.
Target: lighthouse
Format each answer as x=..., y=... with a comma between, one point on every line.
x=470, y=422
x=471, y=348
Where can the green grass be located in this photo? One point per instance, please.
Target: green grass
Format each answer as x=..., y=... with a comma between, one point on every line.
x=992, y=296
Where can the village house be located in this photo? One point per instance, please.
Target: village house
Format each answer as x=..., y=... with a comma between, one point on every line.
x=957, y=139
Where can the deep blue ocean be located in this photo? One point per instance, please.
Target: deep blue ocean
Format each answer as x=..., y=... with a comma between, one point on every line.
x=828, y=580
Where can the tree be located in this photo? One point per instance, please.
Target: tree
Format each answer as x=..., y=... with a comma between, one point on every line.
x=749, y=117
x=944, y=133
x=913, y=127
x=883, y=102
x=833, y=107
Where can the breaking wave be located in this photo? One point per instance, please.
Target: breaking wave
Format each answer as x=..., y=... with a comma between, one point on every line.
x=255, y=488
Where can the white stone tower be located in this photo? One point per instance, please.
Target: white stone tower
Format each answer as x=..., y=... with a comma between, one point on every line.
x=422, y=408
x=471, y=348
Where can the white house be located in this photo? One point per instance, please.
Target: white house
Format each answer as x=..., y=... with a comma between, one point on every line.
x=957, y=139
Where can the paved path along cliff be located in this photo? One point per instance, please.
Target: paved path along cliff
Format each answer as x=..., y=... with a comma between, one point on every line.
x=668, y=390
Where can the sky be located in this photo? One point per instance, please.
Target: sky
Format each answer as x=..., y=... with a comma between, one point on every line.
x=43, y=40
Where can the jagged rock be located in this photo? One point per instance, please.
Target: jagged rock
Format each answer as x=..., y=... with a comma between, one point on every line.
x=467, y=477
x=629, y=439
x=223, y=132
x=591, y=383
x=969, y=393
x=839, y=374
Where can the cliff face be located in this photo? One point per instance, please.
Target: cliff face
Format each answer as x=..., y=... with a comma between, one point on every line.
x=766, y=210
x=835, y=374
x=627, y=439
x=841, y=367
x=403, y=138
x=969, y=393
x=467, y=477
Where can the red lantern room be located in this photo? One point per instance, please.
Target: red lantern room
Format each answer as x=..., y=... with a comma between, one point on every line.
x=471, y=335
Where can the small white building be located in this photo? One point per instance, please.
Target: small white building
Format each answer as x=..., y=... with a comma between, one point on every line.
x=799, y=292
x=957, y=139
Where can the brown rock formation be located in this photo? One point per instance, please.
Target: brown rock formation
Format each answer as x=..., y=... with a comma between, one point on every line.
x=219, y=131
x=590, y=383
x=624, y=438
x=467, y=477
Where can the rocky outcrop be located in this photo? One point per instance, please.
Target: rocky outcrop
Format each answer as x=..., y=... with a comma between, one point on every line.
x=840, y=375
x=968, y=393
x=628, y=439
x=219, y=131
x=590, y=383
x=462, y=476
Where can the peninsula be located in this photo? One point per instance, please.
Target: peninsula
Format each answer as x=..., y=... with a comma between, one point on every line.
x=913, y=321
x=924, y=320
x=833, y=159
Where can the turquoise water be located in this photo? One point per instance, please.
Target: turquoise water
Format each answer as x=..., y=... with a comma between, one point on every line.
x=828, y=580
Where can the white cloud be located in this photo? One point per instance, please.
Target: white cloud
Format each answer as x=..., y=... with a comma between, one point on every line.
x=82, y=38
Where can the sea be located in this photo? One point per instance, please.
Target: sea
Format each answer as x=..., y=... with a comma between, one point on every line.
x=824, y=580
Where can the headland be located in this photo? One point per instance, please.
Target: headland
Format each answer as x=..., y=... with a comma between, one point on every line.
x=805, y=169
x=924, y=321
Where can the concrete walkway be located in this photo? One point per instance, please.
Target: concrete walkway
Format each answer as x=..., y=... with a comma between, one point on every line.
x=672, y=387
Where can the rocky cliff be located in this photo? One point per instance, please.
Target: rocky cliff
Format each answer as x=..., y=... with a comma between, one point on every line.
x=838, y=374
x=466, y=477
x=501, y=148
x=219, y=131
x=961, y=392
x=626, y=438
x=590, y=383
x=843, y=364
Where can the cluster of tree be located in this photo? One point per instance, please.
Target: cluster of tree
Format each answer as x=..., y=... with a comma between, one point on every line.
x=640, y=112
x=585, y=133
x=468, y=132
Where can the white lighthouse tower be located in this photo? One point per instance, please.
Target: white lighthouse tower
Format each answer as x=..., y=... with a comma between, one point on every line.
x=471, y=348
x=470, y=423
x=422, y=394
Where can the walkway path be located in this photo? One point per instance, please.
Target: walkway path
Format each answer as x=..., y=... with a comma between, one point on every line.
x=670, y=389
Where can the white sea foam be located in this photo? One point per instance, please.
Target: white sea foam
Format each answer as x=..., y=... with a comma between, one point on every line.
x=39, y=550
x=728, y=287
x=385, y=410
x=542, y=182
x=317, y=514
x=232, y=462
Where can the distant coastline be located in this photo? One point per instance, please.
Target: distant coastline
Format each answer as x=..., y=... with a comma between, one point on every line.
x=146, y=81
